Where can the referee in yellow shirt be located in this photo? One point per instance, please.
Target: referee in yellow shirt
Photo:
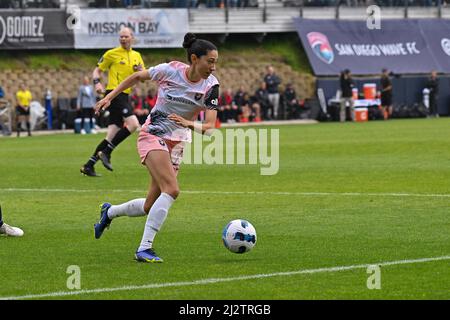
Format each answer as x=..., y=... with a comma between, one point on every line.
x=120, y=63
x=23, y=97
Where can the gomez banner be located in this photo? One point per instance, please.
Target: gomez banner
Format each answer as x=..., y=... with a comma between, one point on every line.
x=403, y=46
x=153, y=28
x=34, y=29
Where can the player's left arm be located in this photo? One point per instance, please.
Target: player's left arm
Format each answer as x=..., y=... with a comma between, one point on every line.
x=209, y=123
x=211, y=104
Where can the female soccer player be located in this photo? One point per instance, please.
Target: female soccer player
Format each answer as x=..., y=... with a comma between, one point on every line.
x=9, y=230
x=184, y=91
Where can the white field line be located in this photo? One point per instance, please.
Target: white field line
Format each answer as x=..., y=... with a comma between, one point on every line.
x=220, y=280
x=143, y=191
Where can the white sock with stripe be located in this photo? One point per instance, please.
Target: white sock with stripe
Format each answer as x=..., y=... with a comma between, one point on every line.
x=132, y=208
x=155, y=219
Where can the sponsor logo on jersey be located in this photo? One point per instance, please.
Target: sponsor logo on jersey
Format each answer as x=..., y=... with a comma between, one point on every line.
x=321, y=46
x=198, y=96
x=180, y=100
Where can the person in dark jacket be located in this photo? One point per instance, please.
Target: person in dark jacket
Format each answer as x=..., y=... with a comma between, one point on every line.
x=272, y=82
x=291, y=102
x=347, y=85
x=433, y=86
x=262, y=98
x=386, y=94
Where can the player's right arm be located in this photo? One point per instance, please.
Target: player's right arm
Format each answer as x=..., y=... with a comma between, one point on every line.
x=96, y=76
x=125, y=84
x=103, y=64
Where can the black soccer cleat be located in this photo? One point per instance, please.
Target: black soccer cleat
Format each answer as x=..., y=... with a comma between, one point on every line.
x=89, y=171
x=105, y=158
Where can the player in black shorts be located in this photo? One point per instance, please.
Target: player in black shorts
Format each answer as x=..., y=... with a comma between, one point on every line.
x=23, y=97
x=119, y=62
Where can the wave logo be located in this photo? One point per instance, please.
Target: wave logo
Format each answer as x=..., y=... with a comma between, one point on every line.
x=321, y=46
x=445, y=43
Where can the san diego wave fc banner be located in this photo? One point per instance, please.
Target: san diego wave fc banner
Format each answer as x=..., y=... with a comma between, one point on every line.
x=406, y=46
x=153, y=28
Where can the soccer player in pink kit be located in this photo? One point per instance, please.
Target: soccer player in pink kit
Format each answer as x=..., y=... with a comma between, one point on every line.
x=184, y=91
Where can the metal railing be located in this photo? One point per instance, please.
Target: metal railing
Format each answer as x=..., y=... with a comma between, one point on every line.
x=230, y=6
x=265, y=5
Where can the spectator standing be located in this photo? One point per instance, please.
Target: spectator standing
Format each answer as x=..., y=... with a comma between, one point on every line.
x=386, y=94
x=272, y=82
x=23, y=97
x=86, y=100
x=433, y=86
x=347, y=85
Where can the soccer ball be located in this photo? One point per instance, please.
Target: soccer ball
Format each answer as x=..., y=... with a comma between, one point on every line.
x=239, y=236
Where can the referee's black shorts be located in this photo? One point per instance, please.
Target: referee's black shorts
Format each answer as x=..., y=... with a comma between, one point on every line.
x=119, y=109
x=22, y=111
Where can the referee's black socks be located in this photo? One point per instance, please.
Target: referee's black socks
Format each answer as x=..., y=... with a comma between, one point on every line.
x=107, y=147
x=121, y=135
x=94, y=158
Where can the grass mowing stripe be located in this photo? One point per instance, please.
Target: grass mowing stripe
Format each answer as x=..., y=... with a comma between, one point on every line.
x=217, y=280
x=356, y=194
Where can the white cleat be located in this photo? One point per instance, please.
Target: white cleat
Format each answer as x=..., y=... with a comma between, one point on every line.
x=11, y=231
x=82, y=131
x=93, y=131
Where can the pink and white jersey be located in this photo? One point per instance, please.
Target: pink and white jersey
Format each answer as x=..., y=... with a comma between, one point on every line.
x=176, y=94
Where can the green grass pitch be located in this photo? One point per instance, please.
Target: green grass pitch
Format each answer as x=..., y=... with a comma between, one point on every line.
x=345, y=195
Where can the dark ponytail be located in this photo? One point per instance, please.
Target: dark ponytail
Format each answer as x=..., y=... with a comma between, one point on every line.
x=199, y=47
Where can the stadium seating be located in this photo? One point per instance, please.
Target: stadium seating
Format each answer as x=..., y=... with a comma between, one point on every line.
x=65, y=83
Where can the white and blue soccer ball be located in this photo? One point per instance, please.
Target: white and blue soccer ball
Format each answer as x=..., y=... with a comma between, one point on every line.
x=239, y=236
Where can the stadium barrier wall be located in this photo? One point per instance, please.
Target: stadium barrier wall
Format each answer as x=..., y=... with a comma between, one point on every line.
x=411, y=46
x=35, y=29
x=407, y=90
